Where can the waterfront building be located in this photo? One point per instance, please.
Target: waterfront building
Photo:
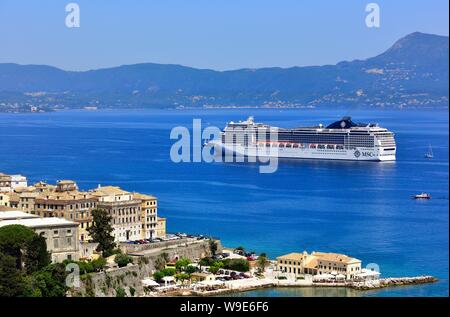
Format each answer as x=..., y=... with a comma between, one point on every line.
x=161, y=227
x=202, y=276
x=61, y=235
x=319, y=263
x=149, y=215
x=124, y=209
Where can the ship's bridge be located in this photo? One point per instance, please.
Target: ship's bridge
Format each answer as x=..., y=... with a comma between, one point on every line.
x=347, y=123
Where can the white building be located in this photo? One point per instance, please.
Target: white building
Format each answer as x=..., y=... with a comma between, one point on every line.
x=61, y=235
x=9, y=182
x=124, y=209
x=18, y=181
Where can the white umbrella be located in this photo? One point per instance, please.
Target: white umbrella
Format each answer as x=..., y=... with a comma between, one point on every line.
x=149, y=282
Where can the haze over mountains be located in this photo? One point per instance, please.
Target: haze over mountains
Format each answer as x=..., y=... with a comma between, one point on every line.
x=412, y=73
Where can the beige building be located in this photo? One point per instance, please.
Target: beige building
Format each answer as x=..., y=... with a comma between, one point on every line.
x=4, y=200
x=134, y=215
x=66, y=202
x=61, y=235
x=149, y=215
x=5, y=183
x=124, y=209
x=319, y=263
x=161, y=227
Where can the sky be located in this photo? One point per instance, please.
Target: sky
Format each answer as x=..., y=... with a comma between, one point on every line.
x=214, y=34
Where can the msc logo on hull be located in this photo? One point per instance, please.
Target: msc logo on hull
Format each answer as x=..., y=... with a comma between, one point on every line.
x=363, y=154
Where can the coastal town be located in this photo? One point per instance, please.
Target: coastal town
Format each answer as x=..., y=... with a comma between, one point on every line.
x=143, y=259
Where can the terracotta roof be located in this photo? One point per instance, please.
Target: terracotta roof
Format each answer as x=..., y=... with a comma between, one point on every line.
x=291, y=256
x=64, y=196
x=13, y=197
x=311, y=262
x=143, y=196
x=110, y=190
x=335, y=257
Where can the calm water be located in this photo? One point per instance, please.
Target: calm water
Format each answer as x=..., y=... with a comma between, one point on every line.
x=362, y=209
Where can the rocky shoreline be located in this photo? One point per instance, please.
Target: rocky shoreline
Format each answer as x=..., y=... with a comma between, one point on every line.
x=395, y=281
x=362, y=286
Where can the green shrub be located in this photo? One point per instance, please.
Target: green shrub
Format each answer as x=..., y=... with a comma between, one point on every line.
x=239, y=265
x=190, y=269
x=99, y=264
x=169, y=271
x=122, y=259
x=120, y=292
x=158, y=275
x=182, y=264
x=206, y=262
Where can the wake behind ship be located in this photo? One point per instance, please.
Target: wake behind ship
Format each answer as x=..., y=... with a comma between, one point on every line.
x=341, y=140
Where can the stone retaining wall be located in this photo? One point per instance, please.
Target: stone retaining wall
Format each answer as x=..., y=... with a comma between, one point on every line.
x=130, y=277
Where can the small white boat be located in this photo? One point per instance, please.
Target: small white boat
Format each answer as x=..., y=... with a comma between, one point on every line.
x=429, y=154
x=422, y=196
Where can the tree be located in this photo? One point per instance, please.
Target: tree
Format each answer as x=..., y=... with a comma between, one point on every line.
x=182, y=277
x=158, y=275
x=213, y=246
x=216, y=267
x=122, y=259
x=101, y=232
x=206, y=262
x=239, y=265
x=262, y=262
x=98, y=264
x=181, y=264
x=48, y=282
x=37, y=256
x=170, y=271
x=190, y=269
x=10, y=277
x=14, y=240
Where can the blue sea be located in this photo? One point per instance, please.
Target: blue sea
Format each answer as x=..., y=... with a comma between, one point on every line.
x=363, y=209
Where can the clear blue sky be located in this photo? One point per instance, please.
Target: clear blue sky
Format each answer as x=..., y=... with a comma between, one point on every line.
x=217, y=34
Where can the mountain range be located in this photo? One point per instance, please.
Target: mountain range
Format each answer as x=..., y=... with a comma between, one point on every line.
x=411, y=73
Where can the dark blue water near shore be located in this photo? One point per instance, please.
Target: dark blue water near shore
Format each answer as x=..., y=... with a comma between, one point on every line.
x=363, y=209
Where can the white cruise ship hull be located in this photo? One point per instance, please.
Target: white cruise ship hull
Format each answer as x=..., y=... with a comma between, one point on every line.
x=357, y=154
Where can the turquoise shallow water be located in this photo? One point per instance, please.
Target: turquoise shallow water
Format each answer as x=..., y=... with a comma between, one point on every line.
x=362, y=209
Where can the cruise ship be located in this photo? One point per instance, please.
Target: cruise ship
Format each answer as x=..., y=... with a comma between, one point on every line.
x=341, y=140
